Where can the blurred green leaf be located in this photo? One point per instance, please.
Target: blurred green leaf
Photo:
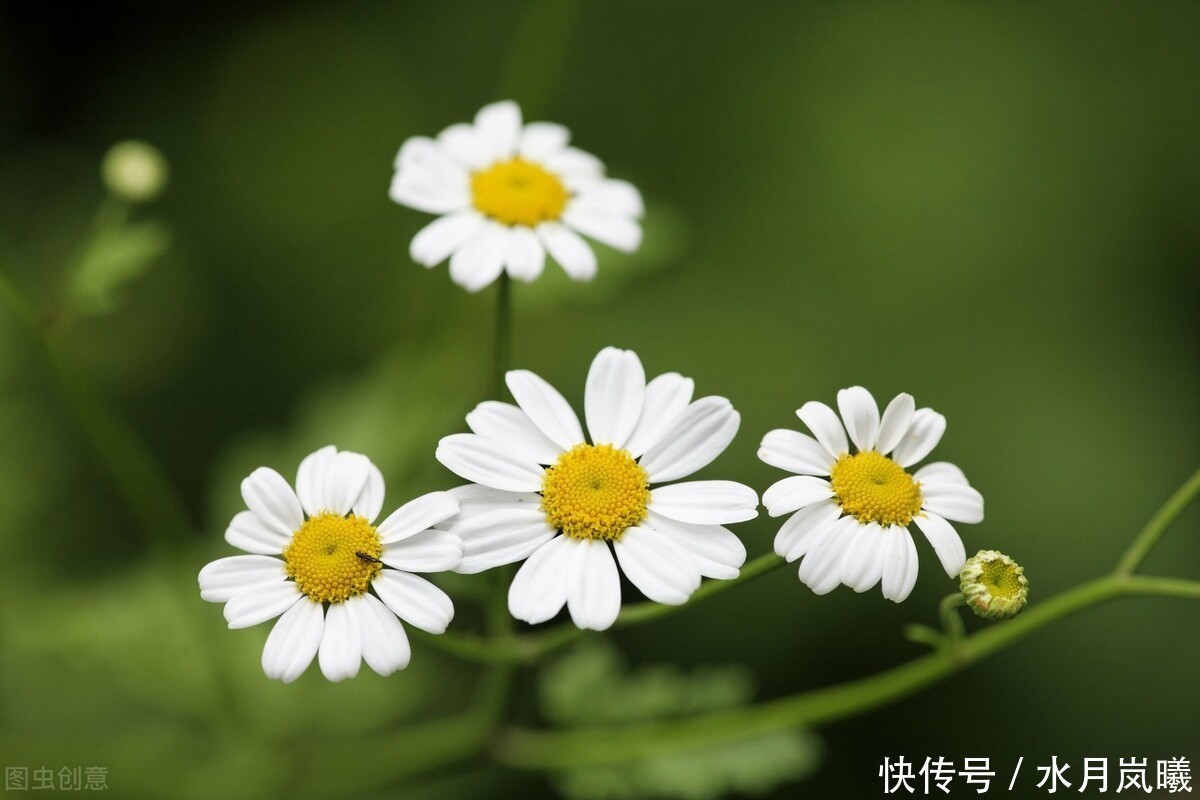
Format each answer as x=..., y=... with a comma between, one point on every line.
x=592, y=685
x=116, y=255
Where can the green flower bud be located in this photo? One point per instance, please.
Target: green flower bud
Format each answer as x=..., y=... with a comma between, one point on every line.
x=994, y=585
x=134, y=171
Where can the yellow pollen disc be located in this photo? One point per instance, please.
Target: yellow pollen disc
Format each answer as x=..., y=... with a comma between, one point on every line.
x=595, y=492
x=330, y=557
x=518, y=192
x=873, y=488
x=1001, y=580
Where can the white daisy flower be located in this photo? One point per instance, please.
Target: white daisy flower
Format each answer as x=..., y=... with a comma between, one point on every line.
x=332, y=554
x=852, y=512
x=508, y=194
x=542, y=492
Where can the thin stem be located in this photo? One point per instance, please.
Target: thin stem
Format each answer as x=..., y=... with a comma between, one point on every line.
x=610, y=745
x=530, y=647
x=1158, y=524
x=129, y=464
x=952, y=624
x=502, y=353
x=537, y=52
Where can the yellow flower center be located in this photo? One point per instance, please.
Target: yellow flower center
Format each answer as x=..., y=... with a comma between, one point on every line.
x=873, y=488
x=518, y=192
x=1002, y=580
x=595, y=492
x=333, y=558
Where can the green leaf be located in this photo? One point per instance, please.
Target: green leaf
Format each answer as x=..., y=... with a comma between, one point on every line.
x=592, y=686
x=116, y=255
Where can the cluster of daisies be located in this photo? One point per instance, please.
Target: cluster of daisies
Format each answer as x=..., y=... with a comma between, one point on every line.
x=577, y=503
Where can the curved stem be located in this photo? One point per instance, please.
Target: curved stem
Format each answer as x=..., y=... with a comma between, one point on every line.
x=129, y=464
x=530, y=647
x=1144, y=542
x=952, y=624
x=532, y=749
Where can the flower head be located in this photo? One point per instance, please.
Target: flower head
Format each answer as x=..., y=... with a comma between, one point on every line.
x=565, y=504
x=134, y=171
x=336, y=580
x=851, y=511
x=508, y=194
x=994, y=585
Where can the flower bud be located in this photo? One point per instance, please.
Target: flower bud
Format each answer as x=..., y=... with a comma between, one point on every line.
x=993, y=585
x=134, y=171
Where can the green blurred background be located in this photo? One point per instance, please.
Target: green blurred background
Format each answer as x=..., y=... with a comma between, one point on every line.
x=991, y=206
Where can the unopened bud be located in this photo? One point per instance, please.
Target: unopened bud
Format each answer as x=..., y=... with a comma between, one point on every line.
x=134, y=171
x=993, y=585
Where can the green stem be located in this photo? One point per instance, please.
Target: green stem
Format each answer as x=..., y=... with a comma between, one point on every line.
x=532, y=749
x=530, y=647
x=1158, y=524
x=952, y=624
x=502, y=352
x=129, y=464
x=536, y=54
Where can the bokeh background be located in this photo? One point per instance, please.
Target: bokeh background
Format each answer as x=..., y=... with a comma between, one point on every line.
x=991, y=206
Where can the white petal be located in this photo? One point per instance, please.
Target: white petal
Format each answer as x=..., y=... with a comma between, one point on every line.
x=618, y=232
x=796, y=492
x=479, y=262
x=415, y=600
x=310, y=479
x=896, y=419
x=293, y=641
x=428, y=179
x=821, y=568
x=899, y=564
x=571, y=252
x=539, y=590
x=616, y=384
x=705, y=502
x=438, y=240
x=546, y=407
x=802, y=528
x=499, y=124
x=340, y=653
x=474, y=499
x=464, y=144
x=524, y=258
x=946, y=542
x=225, y=578
x=427, y=551
x=541, y=140
x=423, y=156
x=370, y=500
x=825, y=427
x=657, y=566
x=489, y=462
x=268, y=495
x=697, y=436
x=422, y=194
x=572, y=162
x=501, y=537
x=862, y=561
x=954, y=502
x=384, y=643
x=861, y=415
x=795, y=452
x=261, y=603
x=665, y=399
x=417, y=515
x=345, y=480
x=248, y=533
x=718, y=553
x=511, y=426
x=613, y=198
x=939, y=473
x=593, y=585
x=923, y=435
